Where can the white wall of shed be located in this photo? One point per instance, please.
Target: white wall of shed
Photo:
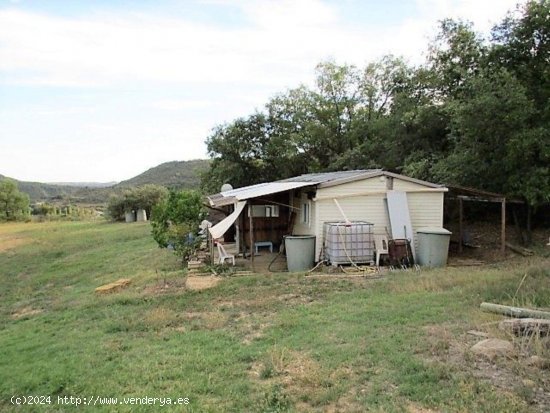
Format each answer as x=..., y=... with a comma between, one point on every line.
x=300, y=228
x=426, y=208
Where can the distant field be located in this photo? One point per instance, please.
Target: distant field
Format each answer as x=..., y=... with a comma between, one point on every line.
x=259, y=343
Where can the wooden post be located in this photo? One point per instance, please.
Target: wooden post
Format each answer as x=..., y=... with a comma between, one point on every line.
x=503, y=227
x=460, y=230
x=242, y=234
x=251, y=233
x=210, y=244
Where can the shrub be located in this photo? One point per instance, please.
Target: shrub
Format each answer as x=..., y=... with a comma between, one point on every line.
x=176, y=222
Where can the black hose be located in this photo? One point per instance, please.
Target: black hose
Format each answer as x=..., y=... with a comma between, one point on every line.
x=281, y=250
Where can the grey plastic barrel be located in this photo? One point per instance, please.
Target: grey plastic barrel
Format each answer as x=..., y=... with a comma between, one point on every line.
x=300, y=252
x=433, y=246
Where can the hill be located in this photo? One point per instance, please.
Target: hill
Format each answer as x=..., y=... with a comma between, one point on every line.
x=175, y=174
x=41, y=191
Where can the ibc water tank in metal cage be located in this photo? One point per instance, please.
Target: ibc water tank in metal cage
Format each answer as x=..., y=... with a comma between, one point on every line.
x=347, y=243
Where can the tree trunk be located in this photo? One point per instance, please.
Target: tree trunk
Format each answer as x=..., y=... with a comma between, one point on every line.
x=516, y=312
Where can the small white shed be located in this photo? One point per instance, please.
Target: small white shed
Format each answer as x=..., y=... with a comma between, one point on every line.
x=363, y=197
x=314, y=199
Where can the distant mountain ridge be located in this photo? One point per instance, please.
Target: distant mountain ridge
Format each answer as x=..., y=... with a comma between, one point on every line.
x=175, y=175
x=85, y=184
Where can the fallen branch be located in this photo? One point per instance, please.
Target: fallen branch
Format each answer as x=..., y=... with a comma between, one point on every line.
x=520, y=250
x=516, y=312
x=526, y=326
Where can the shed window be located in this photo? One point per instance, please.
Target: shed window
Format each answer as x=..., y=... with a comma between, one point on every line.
x=305, y=212
x=264, y=211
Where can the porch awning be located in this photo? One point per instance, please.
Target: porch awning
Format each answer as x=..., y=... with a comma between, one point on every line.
x=221, y=227
x=254, y=191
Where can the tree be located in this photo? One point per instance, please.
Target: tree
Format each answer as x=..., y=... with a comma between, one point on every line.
x=238, y=152
x=14, y=205
x=456, y=54
x=175, y=222
x=522, y=46
x=143, y=197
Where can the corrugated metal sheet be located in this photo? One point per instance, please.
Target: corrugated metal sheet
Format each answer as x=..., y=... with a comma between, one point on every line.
x=254, y=191
x=320, y=180
x=330, y=176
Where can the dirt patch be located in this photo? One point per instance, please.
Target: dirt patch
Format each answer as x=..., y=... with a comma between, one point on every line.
x=413, y=408
x=295, y=298
x=209, y=320
x=197, y=283
x=26, y=312
x=254, y=332
x=288, y=367
x=168, y=287
x=12, y=243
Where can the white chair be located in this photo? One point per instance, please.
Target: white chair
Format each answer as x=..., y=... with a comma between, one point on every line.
x=223, y=255
x=381, y=246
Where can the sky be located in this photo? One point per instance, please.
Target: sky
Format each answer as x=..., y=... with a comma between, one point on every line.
x=101, y=90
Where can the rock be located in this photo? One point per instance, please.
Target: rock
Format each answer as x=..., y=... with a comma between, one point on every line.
x=536, y=361
x=493, y=347
x=528, y=383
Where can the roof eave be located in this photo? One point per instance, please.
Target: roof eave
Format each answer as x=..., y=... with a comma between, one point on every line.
x=375, y=174
x=349, y=179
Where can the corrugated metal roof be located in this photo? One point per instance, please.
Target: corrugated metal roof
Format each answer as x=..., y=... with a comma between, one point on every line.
x=330, y=176
x=254, y=191
x=321, y=179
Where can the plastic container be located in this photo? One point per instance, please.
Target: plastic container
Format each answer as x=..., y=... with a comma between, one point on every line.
x=348, y=242
x=300, y=252
x=433, y=246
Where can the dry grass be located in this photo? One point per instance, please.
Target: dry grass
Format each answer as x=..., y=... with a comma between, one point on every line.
x=160, y=317
x=26, y=312
x=196, y=283
x=11, y=242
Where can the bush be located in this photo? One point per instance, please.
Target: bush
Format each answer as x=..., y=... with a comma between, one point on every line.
x=144, y=197
x=14, y=205
x=176, y=222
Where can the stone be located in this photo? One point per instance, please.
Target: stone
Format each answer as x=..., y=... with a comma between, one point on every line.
x=492, y=348
x=528, y=383
x=537, y=361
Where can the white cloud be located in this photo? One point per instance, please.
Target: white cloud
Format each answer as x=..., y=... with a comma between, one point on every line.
x=202, y=74
x=282, y=41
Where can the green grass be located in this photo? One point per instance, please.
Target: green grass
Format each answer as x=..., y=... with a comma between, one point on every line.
x=257, y=343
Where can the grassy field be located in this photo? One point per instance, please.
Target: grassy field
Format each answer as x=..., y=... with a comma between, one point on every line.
x=260, y=343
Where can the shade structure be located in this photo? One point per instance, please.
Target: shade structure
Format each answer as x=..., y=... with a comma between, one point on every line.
x=221, y=227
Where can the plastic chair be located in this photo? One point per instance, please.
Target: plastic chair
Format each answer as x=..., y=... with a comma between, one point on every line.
x=223, y=255
x=381, y=245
